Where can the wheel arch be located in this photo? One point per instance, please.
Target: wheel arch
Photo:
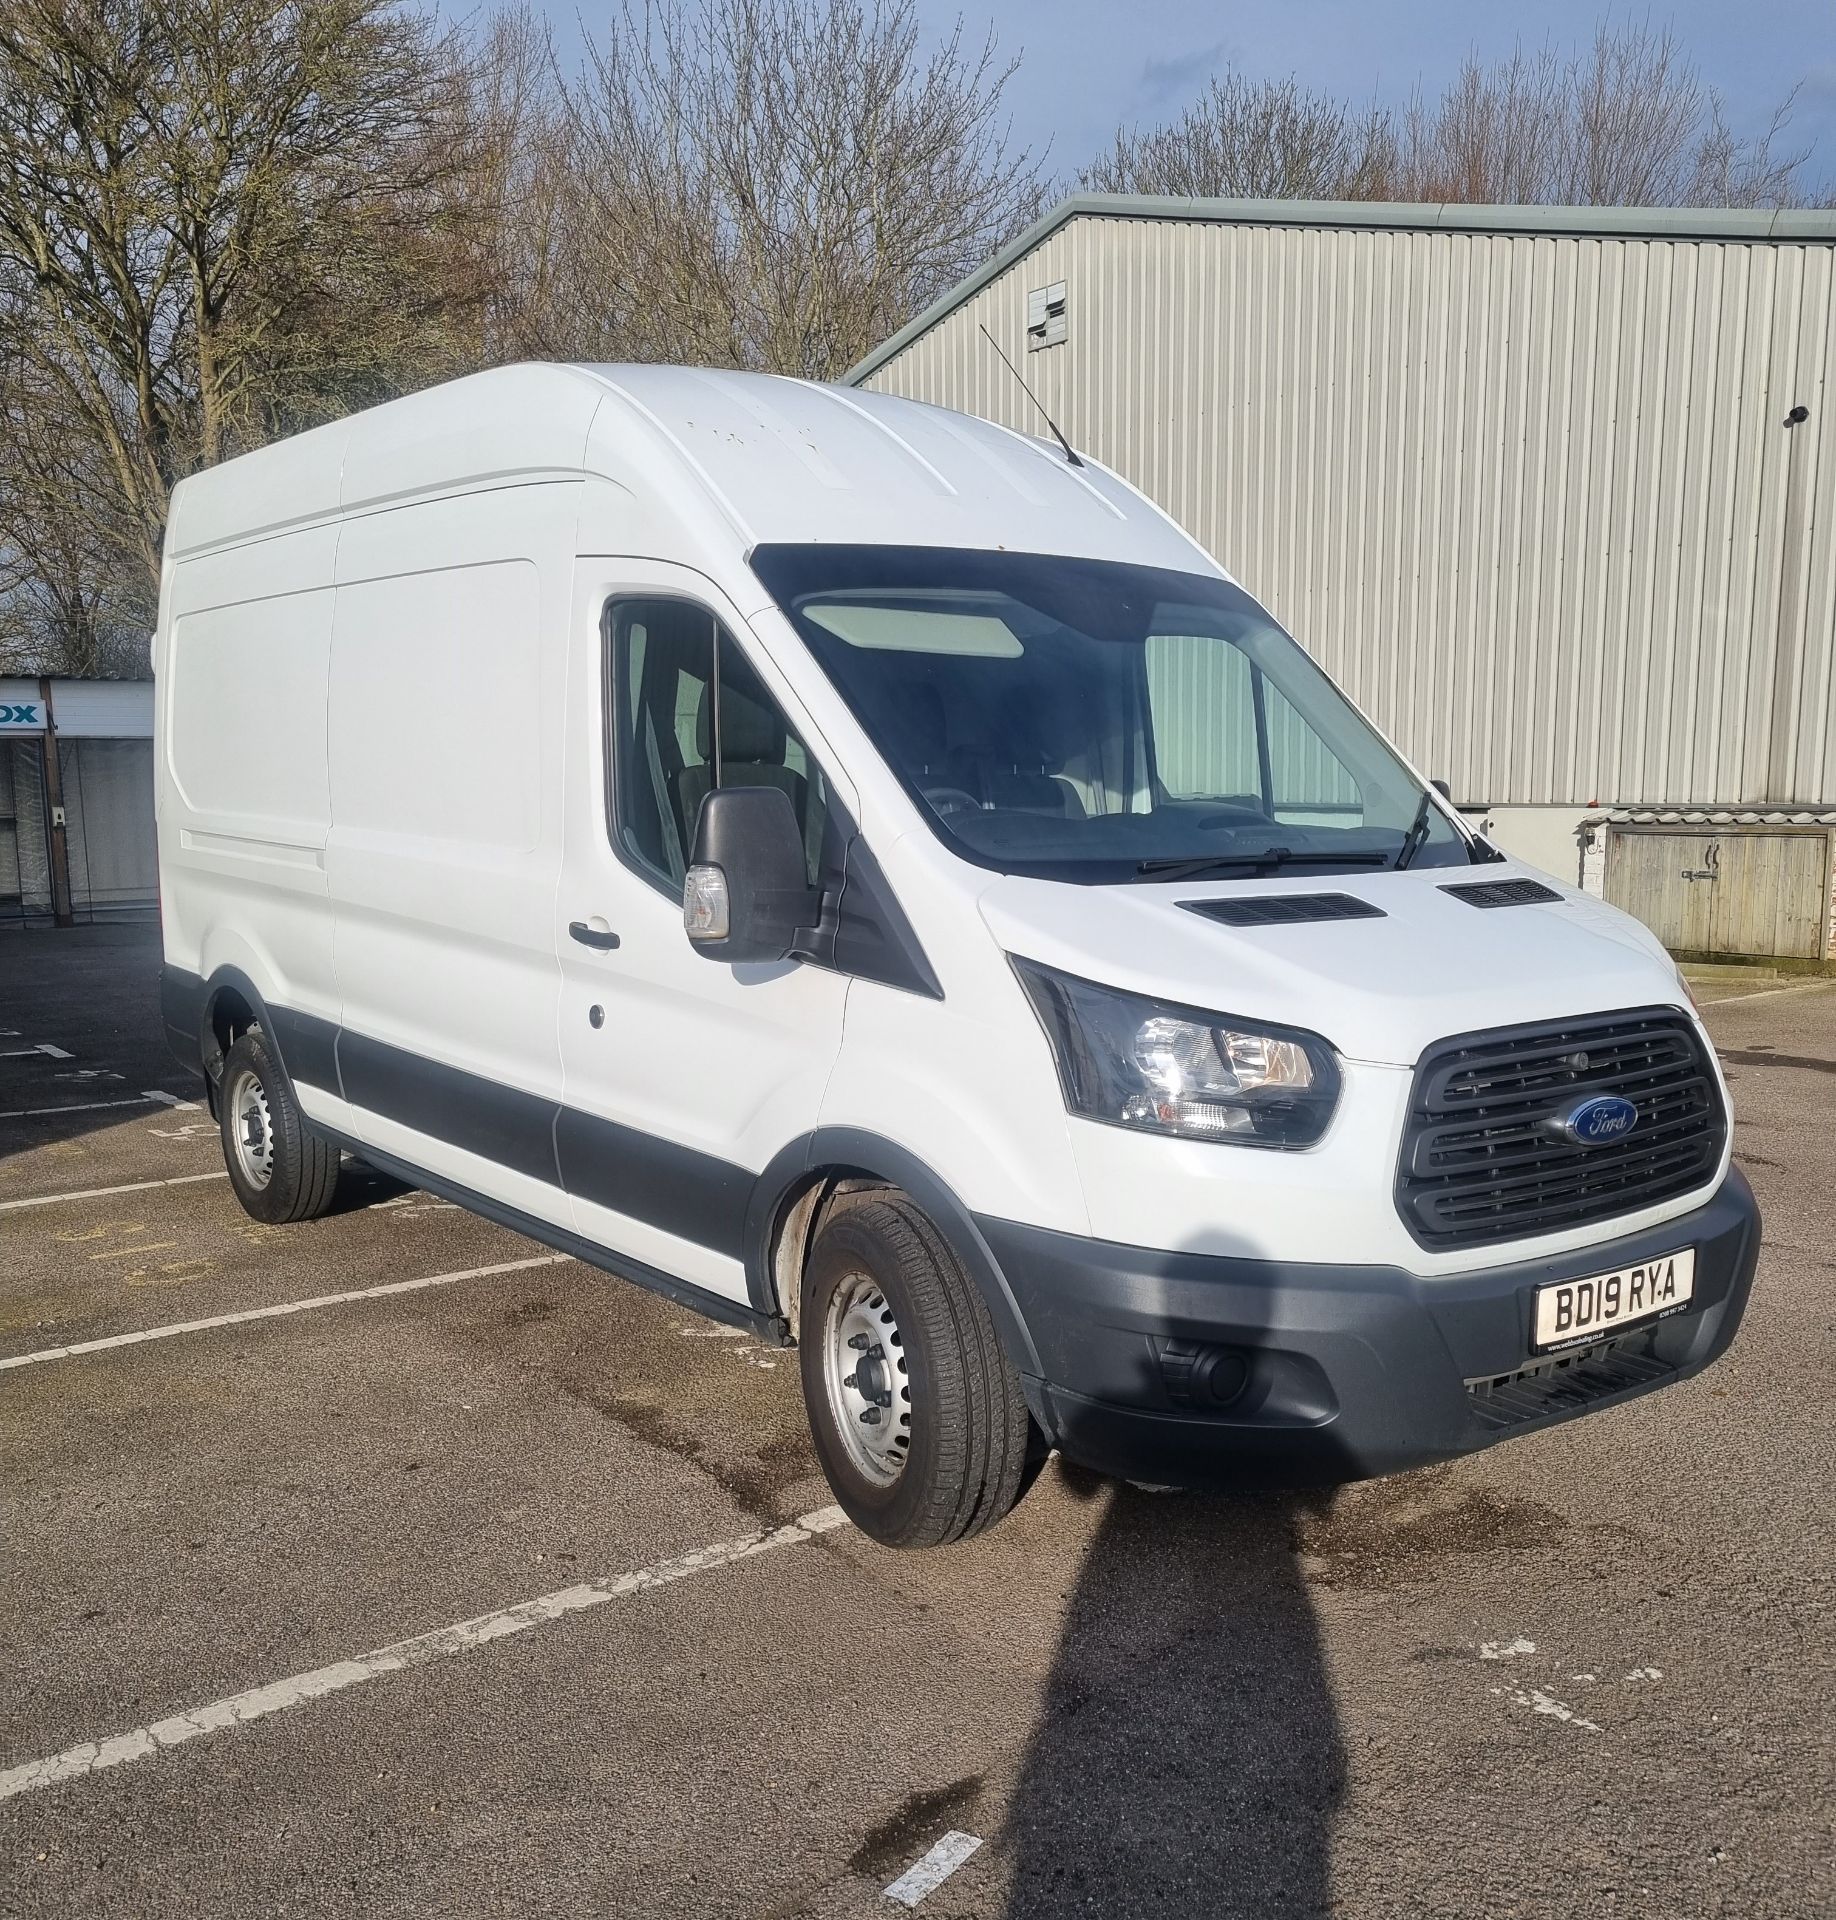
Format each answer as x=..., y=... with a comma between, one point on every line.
x=231, y=1005
x=790, y=1198
x=203, y=1017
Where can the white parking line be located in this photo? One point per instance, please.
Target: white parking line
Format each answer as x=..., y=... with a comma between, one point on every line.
x=928, y=1874
x=85, y=1106
x=141, y=1743
x=105, y=1193
x=1765, y=993
x=26, y=1053
x=286, y=1307
x=1540, y=1702
x=151, y=1098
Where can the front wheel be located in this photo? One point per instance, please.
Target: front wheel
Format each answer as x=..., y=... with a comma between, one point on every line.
x=281, y=1170
x=917, y=1417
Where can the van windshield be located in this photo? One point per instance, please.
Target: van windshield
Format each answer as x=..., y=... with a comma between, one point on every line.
x=1087, y=720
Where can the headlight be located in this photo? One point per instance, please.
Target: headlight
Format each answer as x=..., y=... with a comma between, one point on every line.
x=1136, y=1062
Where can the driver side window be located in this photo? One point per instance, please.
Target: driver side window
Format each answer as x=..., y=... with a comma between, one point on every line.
x=688, y=714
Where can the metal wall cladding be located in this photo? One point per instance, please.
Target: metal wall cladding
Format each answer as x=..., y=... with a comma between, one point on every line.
x=1527, y=496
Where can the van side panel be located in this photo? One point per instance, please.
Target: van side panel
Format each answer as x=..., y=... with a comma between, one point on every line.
x=241, y=788
x=446, y=696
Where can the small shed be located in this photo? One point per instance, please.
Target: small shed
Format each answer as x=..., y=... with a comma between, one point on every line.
x=76, y=800
x=1721, y=883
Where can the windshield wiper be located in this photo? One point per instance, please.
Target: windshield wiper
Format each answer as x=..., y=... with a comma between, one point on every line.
x=1413, y=840
x=1190, y=867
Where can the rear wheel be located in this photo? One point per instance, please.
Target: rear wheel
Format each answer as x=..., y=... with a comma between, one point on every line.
x=917, y=1417
x=281, y=1170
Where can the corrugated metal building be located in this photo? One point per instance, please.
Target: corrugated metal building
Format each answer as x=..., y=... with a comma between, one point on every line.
x=1550, y=491
x=76, y=800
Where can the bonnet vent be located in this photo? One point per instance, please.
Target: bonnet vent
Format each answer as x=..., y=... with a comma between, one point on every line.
x=1283, y=909
x=1502, y=893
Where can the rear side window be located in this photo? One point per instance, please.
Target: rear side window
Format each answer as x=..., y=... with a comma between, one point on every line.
x=689, y=714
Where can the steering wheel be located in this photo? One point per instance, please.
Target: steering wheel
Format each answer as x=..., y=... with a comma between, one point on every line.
x=947, y=800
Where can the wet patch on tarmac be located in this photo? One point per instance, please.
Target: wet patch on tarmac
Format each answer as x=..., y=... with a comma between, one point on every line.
x=1384, y=1534
x=1765, y=1057
x=916, y=1823
x=759, y=1478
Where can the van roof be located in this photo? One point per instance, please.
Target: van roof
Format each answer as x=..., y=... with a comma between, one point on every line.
x=756, y=456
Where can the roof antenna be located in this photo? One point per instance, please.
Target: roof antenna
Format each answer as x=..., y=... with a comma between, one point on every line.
x=1032, y=396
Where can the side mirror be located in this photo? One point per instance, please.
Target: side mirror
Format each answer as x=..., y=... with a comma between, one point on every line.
x=747, y=895
x=1443, y=789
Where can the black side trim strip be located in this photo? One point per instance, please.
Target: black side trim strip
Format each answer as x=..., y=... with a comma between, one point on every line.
x=465, y=1110
x=181, y=1012
x=308, y=1047
x=676, y=1189
x=690, y=1194
x=764, y=1326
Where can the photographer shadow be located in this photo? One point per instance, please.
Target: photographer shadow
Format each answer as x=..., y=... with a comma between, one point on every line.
x=1188, y=1758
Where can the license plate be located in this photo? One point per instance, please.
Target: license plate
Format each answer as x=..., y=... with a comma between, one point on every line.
x=1574, y=1311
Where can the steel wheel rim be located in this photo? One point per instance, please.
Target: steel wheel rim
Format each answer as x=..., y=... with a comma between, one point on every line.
x=864, y=1371
x=252, y=1129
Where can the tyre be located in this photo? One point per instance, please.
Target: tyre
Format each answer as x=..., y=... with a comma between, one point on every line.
x=917, y=1417
x=281, y=1170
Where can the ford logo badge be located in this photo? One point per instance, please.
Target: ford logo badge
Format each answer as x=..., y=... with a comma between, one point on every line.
x=1594, y=1122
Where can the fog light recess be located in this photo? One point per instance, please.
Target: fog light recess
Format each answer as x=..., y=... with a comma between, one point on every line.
x=1204, y=1378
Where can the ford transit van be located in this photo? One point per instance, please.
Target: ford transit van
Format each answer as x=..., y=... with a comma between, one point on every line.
x=874, y=880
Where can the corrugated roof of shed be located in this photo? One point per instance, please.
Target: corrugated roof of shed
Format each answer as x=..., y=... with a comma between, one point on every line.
x=1758, y=225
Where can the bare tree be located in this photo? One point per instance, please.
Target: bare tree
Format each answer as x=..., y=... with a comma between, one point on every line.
x=518, y=200
x=218, y=219
x=1252, y=140
x=1625, y=121
x=776, y=183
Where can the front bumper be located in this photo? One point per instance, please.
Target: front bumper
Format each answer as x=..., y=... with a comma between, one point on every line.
x=1192, y=1369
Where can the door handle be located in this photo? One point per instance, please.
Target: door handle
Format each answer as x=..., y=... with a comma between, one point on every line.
x=600, y=939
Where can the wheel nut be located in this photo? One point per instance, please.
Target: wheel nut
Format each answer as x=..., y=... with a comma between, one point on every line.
x=851, y=1380
x=858, y=1341
x=870, y=1417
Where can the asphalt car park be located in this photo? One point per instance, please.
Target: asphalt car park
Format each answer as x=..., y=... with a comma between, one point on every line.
x=392, y=1564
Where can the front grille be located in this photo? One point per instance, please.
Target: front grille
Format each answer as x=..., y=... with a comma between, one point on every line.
x=1564, y=1384
x=1283, y=909
x=1482, y=1158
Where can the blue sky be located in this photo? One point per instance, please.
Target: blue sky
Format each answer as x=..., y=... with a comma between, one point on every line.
x=1089, y=64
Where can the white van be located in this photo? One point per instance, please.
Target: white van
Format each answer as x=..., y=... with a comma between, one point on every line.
x=875, y=881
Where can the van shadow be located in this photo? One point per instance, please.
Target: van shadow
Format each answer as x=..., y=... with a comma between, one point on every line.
x=1188, y=1758
x=81, y=1036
